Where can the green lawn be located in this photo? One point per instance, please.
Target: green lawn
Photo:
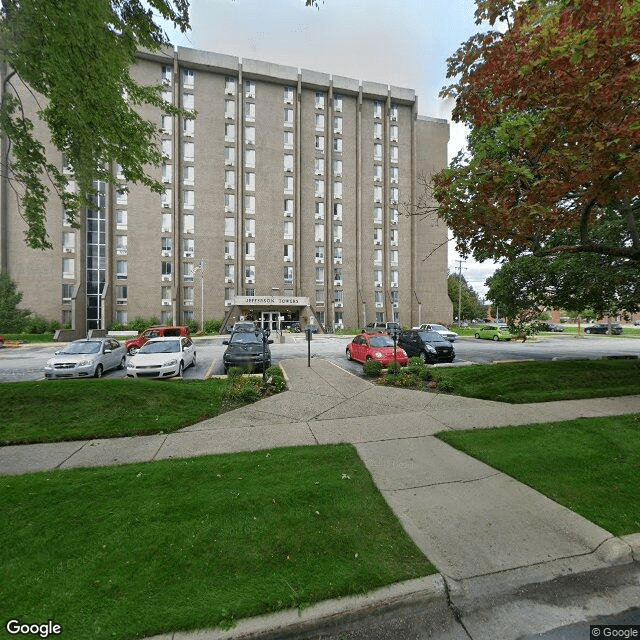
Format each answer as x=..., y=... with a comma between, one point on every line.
x=136, y=550
x=591, y=465
x=521, y=382
x=51, y=411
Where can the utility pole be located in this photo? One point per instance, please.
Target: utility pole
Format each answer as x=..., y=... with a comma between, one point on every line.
x=460, y=291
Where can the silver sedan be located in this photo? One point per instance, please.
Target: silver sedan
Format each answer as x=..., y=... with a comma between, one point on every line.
x=86, y=358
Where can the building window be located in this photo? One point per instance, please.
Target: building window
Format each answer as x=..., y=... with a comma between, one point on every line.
x=121, y=219
x=229, y=155
x=337, y=233
x=187, y=296
x=337, y=319
x=250, y=135
x=189, y=173
x=250, y=158
x=320, y=275
x=188, y=101
x=229, y=272
x=288, y=184
x=188, y=126
x=319, y=232
x=121, y=269
x=166, y=199
x=167, y=173
x=229, y=202
x=68, y=268
x=393, y=174
x=337, y=145
x=337, y=255
x=166, y=223
x=377, y=151
x=187, y=271
x=229, y=226
x=229, y=132
x=68, y=241
x=337, y=277
x=287, y=95
x=337, y=124
x=319, y=118
x=338, y=297
x=393, y=236
x=319, y=211
x=377, y=194
x=229, y=249
x=319, y=253
x=377, y=109
x=167, y=96
x=393, y=216
x=229, y=179
x=166, y=148
x=229, y=108
x=188, y=198
x=288, y=139
x=319, y=166
x=337, y=211
x=394, y=278
x=228, y=294
x=394, y=193
x=188, y=77
x=121, y=316
x=337, y=168
x=166, y=124
x=121, y=294
x=379, y=298
x=230, y=85
x=121, y=245
x=165, y=75
x=250, y=228
x=250, y=274
x=377, y=172
x=250, y=111
x=249, y=89
x=188, y=247
x=188, y=223
x=377, y=275
x=393, y=132
x=394, y=153
x=288, y=275
x=377, y=236
x=250, y=292
x=393, y=258
x=377, y=215
x=319, y=143
x=288, y=253
x=393, y=112
x=288, y=162
x=319, y=296
x=337, y=102
x=319, y=99
x=250, y=250
x=189, y=151
x=250, y=205
x=377, y=130
x=319, y=188
x=288, y=207
x=288, y=117
x=122, y=197
x=337, y=189
x=250, y=181
x=288, y=230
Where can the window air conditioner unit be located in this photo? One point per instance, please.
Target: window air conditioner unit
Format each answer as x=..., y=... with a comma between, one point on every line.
x=228, y=256
x=337, y=283
x=251, y=235
x=377, y=243
x=227, y=303
x=287, y=258
x=319, y=260
x=187, y=254
x=166, y=278
x=121, y=252
x=377, y=284
x=394, y=243
x=166, y=180
x=118, y=300
x=337, y=240
x=288, y=214
x=166, y=230
x=165, y=253
x=188, y=278
x=68, y=250
x=188, y=303
x=395, y=305
x=228, y=280
x=379, y=305
x=337, y=261
x=166, y=303
x=338, y=304
x=319, y=216
x=251, y=280
x=165, y=205
x=394, y=285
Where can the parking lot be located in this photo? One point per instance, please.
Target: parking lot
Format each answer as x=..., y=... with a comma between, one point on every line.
x=27, y=361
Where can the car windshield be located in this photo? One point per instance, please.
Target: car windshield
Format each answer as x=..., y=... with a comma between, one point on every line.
x=380, y=341
x=439, y=327
x=82, y=347
x=245, y=338
x=430, y=336
x=161, y=346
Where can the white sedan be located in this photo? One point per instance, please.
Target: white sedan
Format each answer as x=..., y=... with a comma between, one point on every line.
x=451, y=336
x=162, y=358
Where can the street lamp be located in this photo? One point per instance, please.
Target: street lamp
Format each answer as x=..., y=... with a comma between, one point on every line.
x=200, y=268
x=395, y=332
x=265, y=339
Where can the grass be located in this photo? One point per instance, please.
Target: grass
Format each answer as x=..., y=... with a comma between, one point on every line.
x=137, y=550
x=591, y=465
x=53, y=411
x=29, y=337
x=521, y=382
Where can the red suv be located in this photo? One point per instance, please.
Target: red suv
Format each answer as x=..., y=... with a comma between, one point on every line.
x=132, y=346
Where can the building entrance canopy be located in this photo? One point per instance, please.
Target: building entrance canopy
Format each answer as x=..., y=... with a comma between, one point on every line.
x=272, y=312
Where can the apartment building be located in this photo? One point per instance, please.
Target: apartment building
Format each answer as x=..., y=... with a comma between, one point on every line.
x=287, y=198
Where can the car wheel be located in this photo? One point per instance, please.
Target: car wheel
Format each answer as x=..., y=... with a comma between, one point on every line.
x=180, y=369
x=123, y=362
x=477, y=335
x=132, y=351
x=348, y=354
x=98, y=372
x=193, y=362
x=496, y=338
x=369, y=358
x=587, y=330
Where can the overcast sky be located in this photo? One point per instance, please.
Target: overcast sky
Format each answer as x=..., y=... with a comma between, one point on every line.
x=400, y=42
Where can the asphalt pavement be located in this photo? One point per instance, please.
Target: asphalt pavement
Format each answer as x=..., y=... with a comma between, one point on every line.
x=511, y=562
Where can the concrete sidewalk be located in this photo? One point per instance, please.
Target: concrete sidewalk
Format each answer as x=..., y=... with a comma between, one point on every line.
x=489, y=536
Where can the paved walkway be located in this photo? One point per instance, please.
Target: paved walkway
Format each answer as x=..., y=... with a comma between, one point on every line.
x=486, y=533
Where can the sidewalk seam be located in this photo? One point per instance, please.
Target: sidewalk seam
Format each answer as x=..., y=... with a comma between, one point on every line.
x=439, y=484
x=84, y=444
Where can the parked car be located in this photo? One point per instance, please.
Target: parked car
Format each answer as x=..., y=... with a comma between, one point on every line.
x=603, y=327
x=637, y=323
x=429, y=346
x=133, y=345
x=381, y=327
x=493, y=332
x=439, y=328
x=367, y=347
x=551, y=326
x=162, y=358
x=244, y=349
x=86, y=358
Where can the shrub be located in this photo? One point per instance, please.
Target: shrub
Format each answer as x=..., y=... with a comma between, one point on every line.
x=372, y=368
x=139, y=324
x=275, y=379
x=53, y=326
x=212, y=326
x=445, y=385
x=192, y=326
x=36, y=324
x=394, y=367
x=117, y=326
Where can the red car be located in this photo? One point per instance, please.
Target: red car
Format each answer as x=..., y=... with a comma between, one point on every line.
x=375, y=346
x=132, y=346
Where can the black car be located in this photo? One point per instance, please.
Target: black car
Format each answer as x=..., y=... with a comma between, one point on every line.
x=603, y=327
x=245, y=349
x=429, y=346
x=551, y=326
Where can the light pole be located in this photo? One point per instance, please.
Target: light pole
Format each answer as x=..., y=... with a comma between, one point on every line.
x=265, y=337
x=200, y=268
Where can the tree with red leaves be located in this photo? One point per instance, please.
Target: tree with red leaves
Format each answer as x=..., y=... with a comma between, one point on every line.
x=553, y=105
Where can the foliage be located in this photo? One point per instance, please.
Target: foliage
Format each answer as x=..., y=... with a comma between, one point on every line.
x=12, y=319
x=470, y=305
x=193, y=326
x=394, y=367
x=139, y=324
x=275, y=378
x=552, y=104
x=372, y=368
x=212, y=326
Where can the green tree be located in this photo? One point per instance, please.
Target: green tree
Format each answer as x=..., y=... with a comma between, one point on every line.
x=552, y=102
x=74, y=57
x=470, y=305
x=12, y=319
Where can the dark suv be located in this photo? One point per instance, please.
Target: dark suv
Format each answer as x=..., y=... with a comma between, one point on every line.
x=245, y=349
x=429, y=346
